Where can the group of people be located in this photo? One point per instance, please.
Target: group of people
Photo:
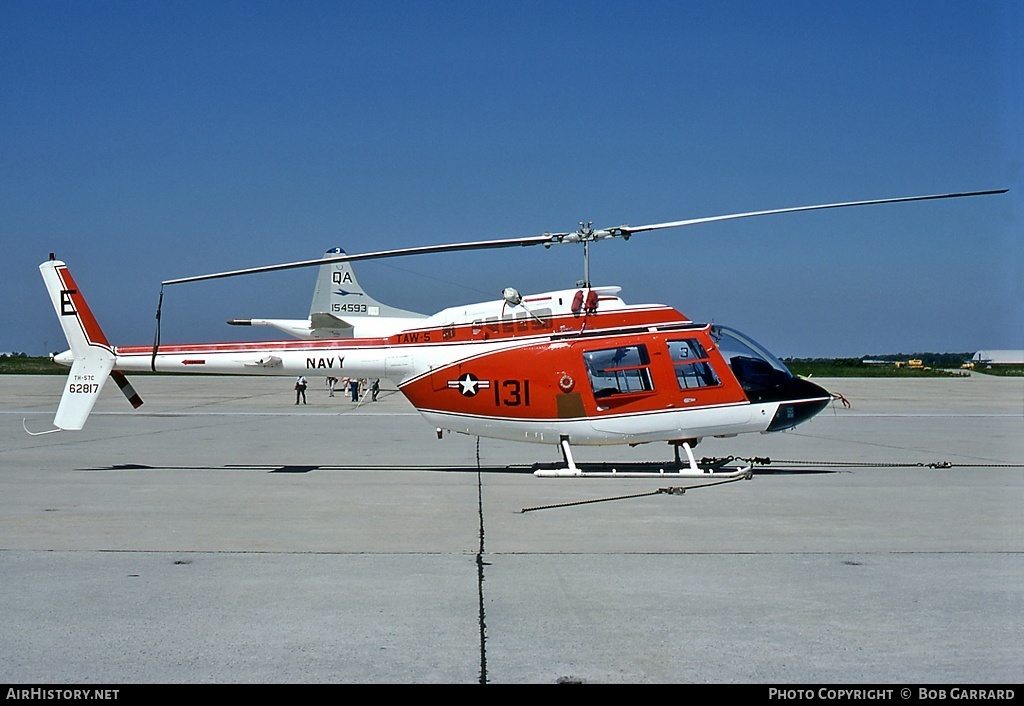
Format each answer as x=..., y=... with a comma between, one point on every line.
x=353, y=385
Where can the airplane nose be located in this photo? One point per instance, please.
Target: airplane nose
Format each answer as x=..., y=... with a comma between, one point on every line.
x=804, y=399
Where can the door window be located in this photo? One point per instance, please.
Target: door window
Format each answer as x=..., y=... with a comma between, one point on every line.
x=615, y=371
x=691, y=364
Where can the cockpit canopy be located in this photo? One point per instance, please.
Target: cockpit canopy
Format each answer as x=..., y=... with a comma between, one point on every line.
x=752, y=364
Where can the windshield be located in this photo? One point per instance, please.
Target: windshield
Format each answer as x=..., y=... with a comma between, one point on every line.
x=751, y=363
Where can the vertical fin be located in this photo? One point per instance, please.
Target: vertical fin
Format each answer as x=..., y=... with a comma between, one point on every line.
x=339, y=293
x=93, y=357
x=81, y=391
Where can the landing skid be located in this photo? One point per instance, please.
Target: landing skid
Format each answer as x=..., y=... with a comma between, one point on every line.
x=706, y=469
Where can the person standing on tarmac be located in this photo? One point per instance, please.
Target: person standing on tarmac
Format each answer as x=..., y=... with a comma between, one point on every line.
x=300, y=389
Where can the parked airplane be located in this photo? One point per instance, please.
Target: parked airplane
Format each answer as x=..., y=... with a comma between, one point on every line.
x=341, y=308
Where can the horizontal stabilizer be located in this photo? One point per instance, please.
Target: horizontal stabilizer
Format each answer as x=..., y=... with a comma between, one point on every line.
x=328, y=321
x=270, y=361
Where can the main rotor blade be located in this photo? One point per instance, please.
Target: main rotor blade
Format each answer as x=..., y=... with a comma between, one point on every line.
x=629, y=230
x=545, y=239
x=548, y=239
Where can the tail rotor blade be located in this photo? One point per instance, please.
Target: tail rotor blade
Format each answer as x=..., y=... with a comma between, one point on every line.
x=126, y=388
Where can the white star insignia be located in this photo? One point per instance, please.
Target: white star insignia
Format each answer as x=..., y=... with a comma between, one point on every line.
x=468, y=385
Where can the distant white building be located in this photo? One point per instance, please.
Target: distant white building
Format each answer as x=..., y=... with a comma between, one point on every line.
x=998, y=358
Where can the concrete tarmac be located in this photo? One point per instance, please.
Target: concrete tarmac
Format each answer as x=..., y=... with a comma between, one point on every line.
x=222, y=534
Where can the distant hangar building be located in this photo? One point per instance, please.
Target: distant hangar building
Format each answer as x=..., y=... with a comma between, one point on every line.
x=998, y=358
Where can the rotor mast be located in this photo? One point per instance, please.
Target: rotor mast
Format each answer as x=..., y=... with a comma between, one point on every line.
x=586, y=233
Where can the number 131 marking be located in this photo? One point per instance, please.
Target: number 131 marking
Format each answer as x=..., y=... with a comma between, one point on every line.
x=511, y=393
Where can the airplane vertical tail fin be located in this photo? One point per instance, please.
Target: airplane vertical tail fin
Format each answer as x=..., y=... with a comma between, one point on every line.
x=341, y=308
x=91, y=356
x=339, y=294
x=327, y=276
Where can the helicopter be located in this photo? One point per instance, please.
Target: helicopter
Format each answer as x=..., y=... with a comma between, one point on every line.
x=571, y=367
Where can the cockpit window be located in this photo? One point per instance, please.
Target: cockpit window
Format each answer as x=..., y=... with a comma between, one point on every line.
x=754, y=367
x=614, y=371
x=691, y=364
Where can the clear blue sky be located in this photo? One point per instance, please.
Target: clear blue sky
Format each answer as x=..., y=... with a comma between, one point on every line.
x=142, y=141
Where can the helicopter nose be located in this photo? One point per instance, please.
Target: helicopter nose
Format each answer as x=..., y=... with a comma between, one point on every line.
x=804, y=399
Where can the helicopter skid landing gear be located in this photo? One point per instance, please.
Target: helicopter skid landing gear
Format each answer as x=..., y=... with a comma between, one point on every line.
x=705, y=470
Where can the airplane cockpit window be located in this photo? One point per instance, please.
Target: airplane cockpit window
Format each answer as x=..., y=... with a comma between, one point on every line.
x=691, y=364
x=754, y=367
x=614, y=371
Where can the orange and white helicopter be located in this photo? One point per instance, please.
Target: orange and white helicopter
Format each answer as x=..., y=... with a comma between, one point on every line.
x=577, y=366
